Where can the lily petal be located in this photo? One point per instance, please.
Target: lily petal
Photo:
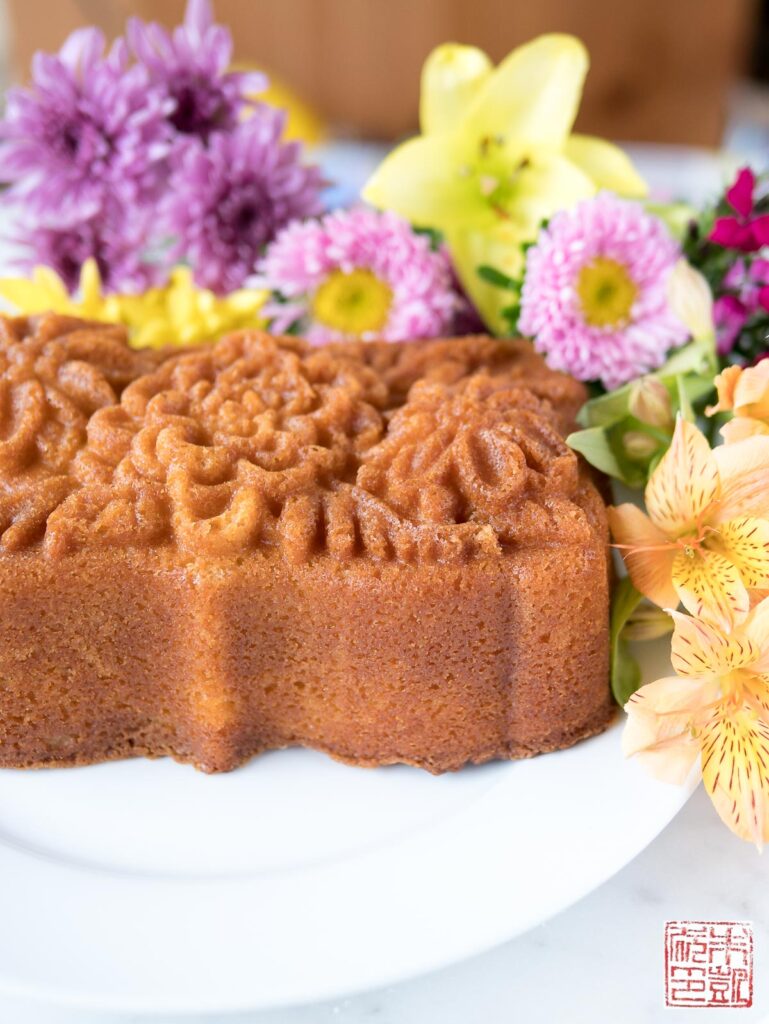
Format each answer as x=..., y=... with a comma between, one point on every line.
x=605, y=164
x=533, y=94
x=648, y=555
x=421, y=181
x=699, y=648
x=685, y=484
x=659, y=729
x=726, y=386
x=548, y=183
x=743, y=469
x=742, y=427
x=756, y=628
x=499, y=247
x=709, y=585
x=745, y=543
x=451, y=77
x=735, y=769
x=751, y=394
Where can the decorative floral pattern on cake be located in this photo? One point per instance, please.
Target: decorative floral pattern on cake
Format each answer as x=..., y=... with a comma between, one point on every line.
x=414, y=453
x=55, y=373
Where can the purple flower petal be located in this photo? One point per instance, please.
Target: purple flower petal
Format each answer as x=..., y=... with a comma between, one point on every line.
x=226, y=201
x=730, y=316
x=190, y=65
x=114, y=237
x=740, y=195
x=86, y=127
x=731, y=233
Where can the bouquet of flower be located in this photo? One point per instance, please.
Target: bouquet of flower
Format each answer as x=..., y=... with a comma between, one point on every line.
x=149, y=184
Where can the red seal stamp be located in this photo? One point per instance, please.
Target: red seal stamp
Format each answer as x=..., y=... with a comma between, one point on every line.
x=708, y=963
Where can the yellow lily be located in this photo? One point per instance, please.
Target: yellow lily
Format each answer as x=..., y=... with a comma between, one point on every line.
x=716, y=708
x=705, y=540
x=179, y=313
x=745, y=392
x=496, y=156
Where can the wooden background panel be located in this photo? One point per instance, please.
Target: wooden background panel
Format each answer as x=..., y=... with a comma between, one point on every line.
x=661, y=69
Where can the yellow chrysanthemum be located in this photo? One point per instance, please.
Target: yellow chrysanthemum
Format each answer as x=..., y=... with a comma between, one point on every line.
x=180, y=313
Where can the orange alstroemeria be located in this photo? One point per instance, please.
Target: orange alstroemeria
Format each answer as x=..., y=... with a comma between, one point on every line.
x=705, y=540
x=745, y=392
x=716, y=708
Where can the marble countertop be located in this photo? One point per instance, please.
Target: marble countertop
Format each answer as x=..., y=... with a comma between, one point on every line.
x=599, y=961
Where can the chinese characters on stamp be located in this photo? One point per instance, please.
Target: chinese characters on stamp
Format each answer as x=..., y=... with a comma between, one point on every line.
x=708, y=963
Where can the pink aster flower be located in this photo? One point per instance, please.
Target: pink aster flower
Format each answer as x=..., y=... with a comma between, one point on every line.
x=89, y=125
x=745, y=231
x=226, y=201
x=594, y=298
x=190, y=66
x=358, y=274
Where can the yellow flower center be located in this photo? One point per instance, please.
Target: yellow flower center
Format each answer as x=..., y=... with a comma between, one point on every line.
x=606, y=292
x=354, y=302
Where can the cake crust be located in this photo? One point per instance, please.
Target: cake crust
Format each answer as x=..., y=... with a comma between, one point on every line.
x=386, y=552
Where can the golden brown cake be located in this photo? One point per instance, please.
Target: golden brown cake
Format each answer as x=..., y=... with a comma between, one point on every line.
x=386, y=552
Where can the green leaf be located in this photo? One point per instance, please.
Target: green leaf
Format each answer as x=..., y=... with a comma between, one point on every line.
x=493, y=276
x=696, y=357
x=684, y=404
x=625, y=671
x=695, y=363
x=605, y=410
x=593, y=444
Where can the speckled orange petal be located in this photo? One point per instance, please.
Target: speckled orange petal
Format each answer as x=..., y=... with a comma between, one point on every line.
x=643, y=546
x=751, y=392
x=701, y=649
x=661, y=725
x=735, y=769
x=726, y=385
x=709, y=585
x=742, y=427
x=743, y=468
x=745, y=543
x=756, y=628
x=685, y=484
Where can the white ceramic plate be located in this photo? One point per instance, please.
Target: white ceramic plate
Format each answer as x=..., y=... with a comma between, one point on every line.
x=148, y=887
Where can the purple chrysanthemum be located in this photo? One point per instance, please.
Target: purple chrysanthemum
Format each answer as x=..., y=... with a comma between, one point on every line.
x=226, y=201
x=115, y=241
x=89, y=125
x=594, y=298
x=190, y=66
x=358, y=274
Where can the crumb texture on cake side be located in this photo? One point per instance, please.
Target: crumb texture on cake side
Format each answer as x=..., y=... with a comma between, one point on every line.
x=384, y=551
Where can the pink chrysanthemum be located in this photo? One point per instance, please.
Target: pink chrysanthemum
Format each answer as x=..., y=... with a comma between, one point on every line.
x=358, y=274
x=89, y=126
x=191, y=67
x=226, y=201
x=594, y=298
